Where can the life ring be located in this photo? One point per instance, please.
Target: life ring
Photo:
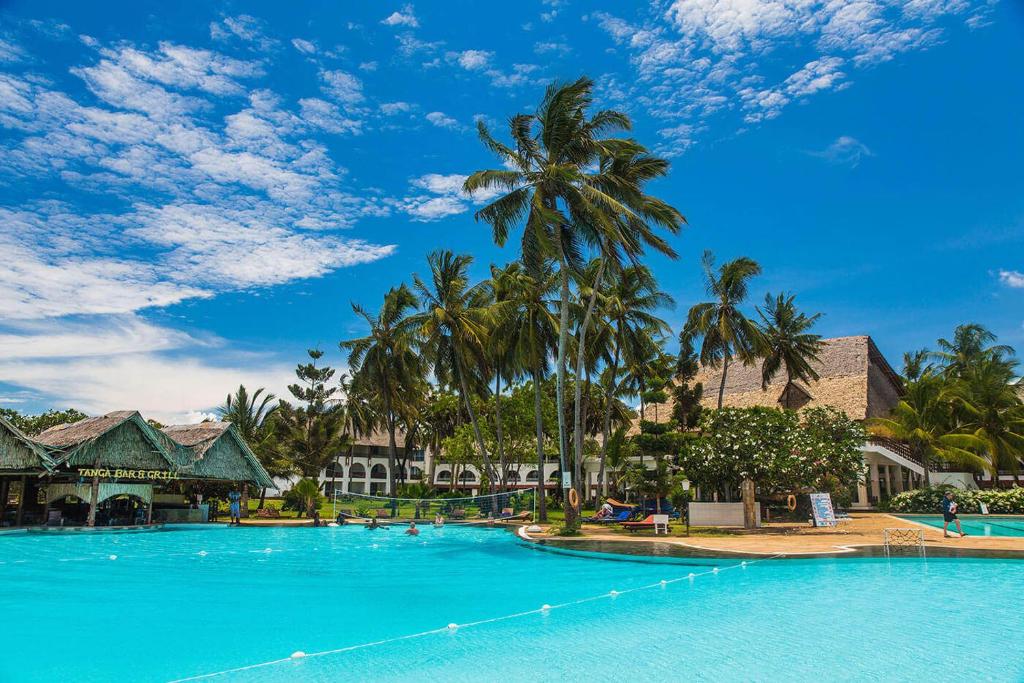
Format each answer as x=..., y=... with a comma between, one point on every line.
x=574, y=499
x=791, y=502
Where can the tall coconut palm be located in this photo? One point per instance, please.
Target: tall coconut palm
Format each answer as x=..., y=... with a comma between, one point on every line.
x=788, y=345
x=536, y=335
x=915, y=364
x=561, y=181
x=988, y=408
x=385, y=363
x=453, y=326
x=725, y=331
x=971, y=344
x=923, y=420
x=249, y=414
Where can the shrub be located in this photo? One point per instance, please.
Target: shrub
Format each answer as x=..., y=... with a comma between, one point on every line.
x=929, y=500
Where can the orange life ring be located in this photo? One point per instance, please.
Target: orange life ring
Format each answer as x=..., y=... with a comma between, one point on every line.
x=574, y=499
x=791, y=502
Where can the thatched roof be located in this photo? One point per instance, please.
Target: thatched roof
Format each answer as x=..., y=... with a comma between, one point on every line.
x=18, y=453
x=853, y=377
x=120, y=439
x=381, y=439
x=217, y=451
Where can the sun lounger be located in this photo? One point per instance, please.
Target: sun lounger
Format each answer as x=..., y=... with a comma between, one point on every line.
x=610, y=519
x=507, y=512
x=659, y=523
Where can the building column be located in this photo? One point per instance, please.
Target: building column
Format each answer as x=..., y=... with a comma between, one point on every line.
x=876, y=493
x=899, y=479
x=21, y=503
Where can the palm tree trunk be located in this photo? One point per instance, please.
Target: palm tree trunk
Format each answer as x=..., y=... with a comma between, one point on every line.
x=563, y=341
x=263, y=498
x=721, y=387
x=498, y=432
x=476, y=426
x=577, y=426
x=392, y=446
x=542, y=503
x=606, y=426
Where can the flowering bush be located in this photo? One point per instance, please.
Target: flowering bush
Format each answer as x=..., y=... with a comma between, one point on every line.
x=778, y=449
x=929, y=500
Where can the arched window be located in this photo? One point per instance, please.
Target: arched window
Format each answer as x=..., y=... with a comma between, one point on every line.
x=357, y=471
x=467, y=477
x=531, y=475
x=415, y=472
x=512, y=477
x=445, y=476
x=334, y=470
x=555, y=476
x=378, y=472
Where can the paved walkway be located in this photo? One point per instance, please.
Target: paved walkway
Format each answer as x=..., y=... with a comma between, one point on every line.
x=865, y=529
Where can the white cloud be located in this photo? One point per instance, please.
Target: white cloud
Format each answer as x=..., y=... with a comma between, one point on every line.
x=243, y=27
x=304, y=46
x=471, y=60
x=109, y=335
x=1012, y=278
x=9, y=52
x=392, y=108
x=442, y=120
x=342, y=86
x=695, y=58
x=368, y=66
x=326, y=116
x=548, y=47
x=406, y=17
x=845, y=150
x=445, y=197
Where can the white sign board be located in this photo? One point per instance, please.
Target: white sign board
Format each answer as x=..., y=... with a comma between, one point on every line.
x=821, y=506
x=566, y=480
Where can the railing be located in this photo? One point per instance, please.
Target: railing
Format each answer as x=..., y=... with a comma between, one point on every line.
x=897, y=447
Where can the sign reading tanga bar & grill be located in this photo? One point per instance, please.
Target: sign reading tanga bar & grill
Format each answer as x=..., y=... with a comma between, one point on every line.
x=147, y=475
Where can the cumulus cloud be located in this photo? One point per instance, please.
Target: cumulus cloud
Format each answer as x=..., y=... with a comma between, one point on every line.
x=342, y=86
x=306, y=47
x=442, y=120
x=471, y=60
x=1012, y=278
x=406, y=17
x=392, y=108
x=436, y=196
x=326, y=116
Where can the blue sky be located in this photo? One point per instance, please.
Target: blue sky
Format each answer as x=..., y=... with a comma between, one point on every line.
x=191, y=194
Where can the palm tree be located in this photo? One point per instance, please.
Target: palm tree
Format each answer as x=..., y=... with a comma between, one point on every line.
x=915, y=364
x=453, y=326
x=563, y=180
x=726, y=331
x=970, y=345
x=923, y=420
x=989, y=409
x=385, y=363
x=787, y=342
x=504, y=287
x=249, y=414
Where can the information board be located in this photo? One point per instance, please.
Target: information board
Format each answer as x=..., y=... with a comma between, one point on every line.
x=821, y=506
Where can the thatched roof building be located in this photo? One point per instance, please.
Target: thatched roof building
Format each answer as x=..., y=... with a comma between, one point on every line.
x=19, y=454
x=216, y=451
x=853, y=377
x=121, y=439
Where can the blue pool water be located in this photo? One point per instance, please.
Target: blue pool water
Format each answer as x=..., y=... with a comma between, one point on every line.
x=179, y=604
x=975, y=525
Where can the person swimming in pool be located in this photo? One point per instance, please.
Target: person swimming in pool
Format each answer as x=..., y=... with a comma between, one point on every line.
x=949, y=508
x=235, y=506
x=412, y=530
x=438, y=519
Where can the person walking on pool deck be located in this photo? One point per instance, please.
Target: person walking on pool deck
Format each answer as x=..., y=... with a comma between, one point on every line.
x=949, y=515
x=235, y=506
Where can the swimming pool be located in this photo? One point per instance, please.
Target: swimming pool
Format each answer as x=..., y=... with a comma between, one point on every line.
x=178, y=604
x=974, y=525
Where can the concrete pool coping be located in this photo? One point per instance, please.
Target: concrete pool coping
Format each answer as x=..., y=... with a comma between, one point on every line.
x=862, y=537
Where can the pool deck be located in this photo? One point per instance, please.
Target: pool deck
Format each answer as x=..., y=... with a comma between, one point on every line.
x=864, y=529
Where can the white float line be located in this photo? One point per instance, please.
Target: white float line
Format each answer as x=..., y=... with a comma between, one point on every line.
x=457, y=627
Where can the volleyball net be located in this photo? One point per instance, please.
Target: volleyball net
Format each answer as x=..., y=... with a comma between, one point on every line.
x=505, y=504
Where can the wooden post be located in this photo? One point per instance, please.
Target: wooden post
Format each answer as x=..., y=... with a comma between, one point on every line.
x=5, y=488
x=749, y=503
x=21, y=503
x=93, y=501
x=149, y=510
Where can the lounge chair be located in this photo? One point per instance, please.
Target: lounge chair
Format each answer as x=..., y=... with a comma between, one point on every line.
x=610, y=519
x=507, y=512
x=616, y=505
x=659, y=523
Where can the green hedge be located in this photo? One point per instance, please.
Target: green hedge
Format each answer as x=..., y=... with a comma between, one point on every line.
x=929, y=500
